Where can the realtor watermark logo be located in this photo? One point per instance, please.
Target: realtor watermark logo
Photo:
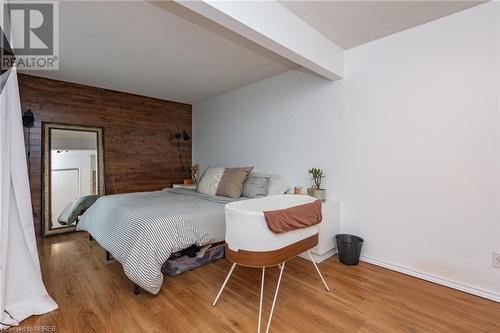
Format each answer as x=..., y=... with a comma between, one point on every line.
x=33, y=30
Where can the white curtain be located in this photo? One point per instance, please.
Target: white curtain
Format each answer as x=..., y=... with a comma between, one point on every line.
x=22, y=292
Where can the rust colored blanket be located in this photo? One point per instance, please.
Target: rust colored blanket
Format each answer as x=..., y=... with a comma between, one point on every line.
x=296, y=217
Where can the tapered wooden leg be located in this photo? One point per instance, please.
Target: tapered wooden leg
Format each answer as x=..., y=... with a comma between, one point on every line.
x=224, y=284
x=137, y=289
x=261, y=297
x=317, y=270
x=282, y=268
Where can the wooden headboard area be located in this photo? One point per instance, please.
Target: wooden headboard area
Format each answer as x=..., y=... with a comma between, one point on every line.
x=140, y=148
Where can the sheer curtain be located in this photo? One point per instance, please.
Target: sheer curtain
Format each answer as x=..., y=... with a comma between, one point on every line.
x=22, y=292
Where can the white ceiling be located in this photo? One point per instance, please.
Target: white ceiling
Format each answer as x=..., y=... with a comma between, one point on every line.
x=166, y=51
x=352, y=23
x=137, y=47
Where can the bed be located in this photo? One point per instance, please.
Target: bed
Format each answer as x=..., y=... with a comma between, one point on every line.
x=142, y=230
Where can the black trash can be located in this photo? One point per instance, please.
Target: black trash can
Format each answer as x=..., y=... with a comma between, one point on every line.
x=349, y=248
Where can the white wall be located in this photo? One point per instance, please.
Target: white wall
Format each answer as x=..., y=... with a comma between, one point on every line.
x=73, y=144
x=77, y=159
x=409, y=141
x=63, y=190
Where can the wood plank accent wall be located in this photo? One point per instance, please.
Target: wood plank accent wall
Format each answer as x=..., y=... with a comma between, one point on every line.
x=140, y=149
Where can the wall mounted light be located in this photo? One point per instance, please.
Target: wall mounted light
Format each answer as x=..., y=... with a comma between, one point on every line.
x=28, y=119
x=185, y=136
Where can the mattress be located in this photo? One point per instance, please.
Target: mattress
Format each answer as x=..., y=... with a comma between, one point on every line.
x=142, y=230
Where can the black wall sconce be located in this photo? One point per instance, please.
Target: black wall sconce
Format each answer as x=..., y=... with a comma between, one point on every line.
x=185, y=136
x=28, y=119
x=28, y=122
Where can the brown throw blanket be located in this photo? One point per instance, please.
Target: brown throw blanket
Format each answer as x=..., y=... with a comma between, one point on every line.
x=296, y=217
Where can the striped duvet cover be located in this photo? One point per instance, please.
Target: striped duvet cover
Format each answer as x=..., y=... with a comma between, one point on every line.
x=142, y=230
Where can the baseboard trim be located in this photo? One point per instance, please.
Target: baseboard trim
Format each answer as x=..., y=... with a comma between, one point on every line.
x=439, y=280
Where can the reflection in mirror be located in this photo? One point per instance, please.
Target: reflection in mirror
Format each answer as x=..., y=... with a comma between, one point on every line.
x=73, y=169
x=73, y=175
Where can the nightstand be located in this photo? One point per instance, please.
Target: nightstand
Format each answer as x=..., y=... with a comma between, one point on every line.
x=186, y=187
x=328, y=228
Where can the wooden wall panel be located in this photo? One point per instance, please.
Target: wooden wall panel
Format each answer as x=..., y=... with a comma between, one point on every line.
x=140, y=148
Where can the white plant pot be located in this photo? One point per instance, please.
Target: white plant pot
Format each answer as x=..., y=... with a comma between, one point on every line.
x=320, y=194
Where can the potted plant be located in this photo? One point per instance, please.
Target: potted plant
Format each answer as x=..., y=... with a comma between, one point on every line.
x=317, y=175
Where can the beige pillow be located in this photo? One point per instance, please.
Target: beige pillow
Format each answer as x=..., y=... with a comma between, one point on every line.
x=231, y=184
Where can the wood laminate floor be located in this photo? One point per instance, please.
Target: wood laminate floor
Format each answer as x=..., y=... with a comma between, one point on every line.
x=95, y=296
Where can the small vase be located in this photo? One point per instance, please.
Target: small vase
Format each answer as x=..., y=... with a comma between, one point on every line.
x=320, y=195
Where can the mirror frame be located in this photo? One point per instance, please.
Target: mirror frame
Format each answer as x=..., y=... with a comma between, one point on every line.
x=47, y=128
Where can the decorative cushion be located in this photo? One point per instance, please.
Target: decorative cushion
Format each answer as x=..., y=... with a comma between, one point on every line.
x=255, y=186
x=210, y=180
x=232, y=182
x=76, y=208
x=277, y=184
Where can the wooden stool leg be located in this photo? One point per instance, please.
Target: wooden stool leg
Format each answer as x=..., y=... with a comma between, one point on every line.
x=282, y=266
x=317, y=269
x=261, y=297
x=224, y=284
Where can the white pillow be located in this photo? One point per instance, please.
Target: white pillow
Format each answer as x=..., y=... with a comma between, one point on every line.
x=277, y=184
x=210, y=180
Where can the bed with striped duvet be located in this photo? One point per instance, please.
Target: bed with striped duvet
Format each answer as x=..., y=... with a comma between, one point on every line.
x=142, y=230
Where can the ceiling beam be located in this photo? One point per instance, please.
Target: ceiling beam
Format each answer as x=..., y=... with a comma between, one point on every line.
x=273, y=27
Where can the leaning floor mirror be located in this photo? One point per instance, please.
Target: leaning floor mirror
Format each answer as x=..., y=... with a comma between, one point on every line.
x=73, y=174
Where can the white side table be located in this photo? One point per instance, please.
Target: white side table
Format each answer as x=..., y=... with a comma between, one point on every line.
x=329, y=227
x=186, y=187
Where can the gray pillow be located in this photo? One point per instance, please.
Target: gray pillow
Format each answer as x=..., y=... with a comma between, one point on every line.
x=277, y=184
x=255, y=186
x=76, y=208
